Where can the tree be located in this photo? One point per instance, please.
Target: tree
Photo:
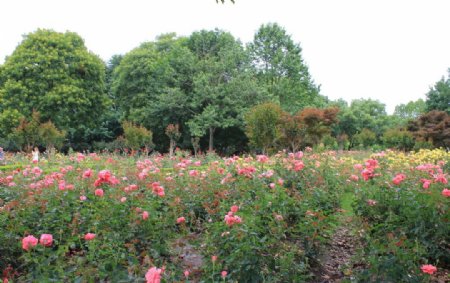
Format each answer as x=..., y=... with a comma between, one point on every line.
x=153, y=83
x=32, y=132
x=363, y=114
x=50, y=136
x=365, y=138
x=9, y=120
x=433, y=127
x=438, y=98
x=173, y=132
x=26, y=134
x=400, y=139
x=263, y=125
x=55, y=74
x=410, y=111
x=281, y=69
x=224, y=87
x=136, y=137
x=292, y=131
x=317, y=123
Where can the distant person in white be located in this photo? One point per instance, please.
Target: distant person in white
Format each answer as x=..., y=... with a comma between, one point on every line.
x=35, y=155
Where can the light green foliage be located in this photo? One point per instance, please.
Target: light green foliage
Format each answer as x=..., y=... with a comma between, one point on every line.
x=281, y=69
x=136, y=137
x=55, y=74
x=438, y=98
x=411, y=110
x=50, y=136
x=9, y=120
x=263, y=125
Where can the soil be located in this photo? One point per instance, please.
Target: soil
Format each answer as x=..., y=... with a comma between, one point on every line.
x=189, y=256
x=336, y=261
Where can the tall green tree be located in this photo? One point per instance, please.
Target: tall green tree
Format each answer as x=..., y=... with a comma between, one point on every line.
x=438, y=98
x=55, y=74
x=363, y=114
x=282, y=70
x=224, y=87
x=152, y=84
x=410, y=110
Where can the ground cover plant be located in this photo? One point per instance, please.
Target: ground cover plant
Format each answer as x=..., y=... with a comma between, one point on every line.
x=127, y=218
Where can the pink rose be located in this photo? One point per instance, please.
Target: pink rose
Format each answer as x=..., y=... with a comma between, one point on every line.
x=145, y=215
x=428, y=268
x=398, y=179
x=153, y=275
x=224, y=274
x=83, y=198
x=181, y=220
x=46, y=240
x=87, y=174
x=89, y=236
x=29, y=242
x=358, y=166
x=234, y=208
x=446, y=193
x=99, y=192
x=104, y=175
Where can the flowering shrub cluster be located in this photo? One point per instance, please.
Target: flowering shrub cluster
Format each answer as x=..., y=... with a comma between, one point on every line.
x=118, y=218
x=405, y=209
x=246, y=219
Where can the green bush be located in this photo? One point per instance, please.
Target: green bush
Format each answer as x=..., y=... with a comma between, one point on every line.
x=398, y=139
x=136, y=137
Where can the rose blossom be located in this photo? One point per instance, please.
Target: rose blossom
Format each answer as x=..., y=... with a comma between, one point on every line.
x=428, y=268
x=29, y=242
x=89, y=236
x=46, y=240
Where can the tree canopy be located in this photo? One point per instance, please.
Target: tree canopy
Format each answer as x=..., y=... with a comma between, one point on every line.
x=281, y=69
x=438, y=98
x=55, y=74
x=206, y=85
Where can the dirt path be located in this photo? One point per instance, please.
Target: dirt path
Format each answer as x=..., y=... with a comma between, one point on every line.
x=336, y=262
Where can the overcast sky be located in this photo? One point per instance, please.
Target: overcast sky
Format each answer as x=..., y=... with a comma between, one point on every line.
x=390, y=50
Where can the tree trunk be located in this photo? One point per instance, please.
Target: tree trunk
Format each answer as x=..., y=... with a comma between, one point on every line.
x=211, y=138
x=172, y=146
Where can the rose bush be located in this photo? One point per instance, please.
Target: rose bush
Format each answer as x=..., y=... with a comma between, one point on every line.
x=126, y=218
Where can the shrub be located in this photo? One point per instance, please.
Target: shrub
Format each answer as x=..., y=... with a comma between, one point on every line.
x=365, y=138
x=263, y=125
x=398, y=139
x=136, y=137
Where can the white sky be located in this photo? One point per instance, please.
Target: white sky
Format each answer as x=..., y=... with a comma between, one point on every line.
x=390, y=50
